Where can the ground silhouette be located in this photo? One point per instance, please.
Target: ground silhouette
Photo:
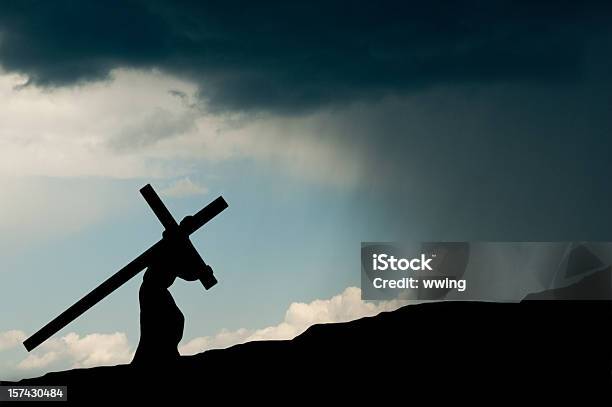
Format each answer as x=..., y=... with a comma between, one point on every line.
x=433, y=350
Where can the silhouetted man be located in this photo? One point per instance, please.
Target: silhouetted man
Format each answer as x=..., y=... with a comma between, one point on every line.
x=161, y=321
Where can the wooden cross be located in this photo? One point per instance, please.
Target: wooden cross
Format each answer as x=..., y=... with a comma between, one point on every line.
x=175, y=231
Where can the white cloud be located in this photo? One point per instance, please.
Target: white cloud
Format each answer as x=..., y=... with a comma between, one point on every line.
x=38, y=361
x=10, y=339
x=74, y=351
x=346, y=306
x=182, y=188
x=223, y=339
x=149, y=124
x=69, y=132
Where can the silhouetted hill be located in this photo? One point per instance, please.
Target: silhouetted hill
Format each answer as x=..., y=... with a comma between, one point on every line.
x=433, y=351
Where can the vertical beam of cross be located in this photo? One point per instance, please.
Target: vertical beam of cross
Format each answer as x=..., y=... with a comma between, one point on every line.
x=158, y=207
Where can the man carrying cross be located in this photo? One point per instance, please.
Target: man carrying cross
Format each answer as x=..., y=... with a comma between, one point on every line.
x=161, y=321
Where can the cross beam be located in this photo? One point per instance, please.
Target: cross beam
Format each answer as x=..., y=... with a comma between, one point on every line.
x=186, y=228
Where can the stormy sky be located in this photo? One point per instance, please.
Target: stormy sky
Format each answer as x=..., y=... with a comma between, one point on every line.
x=292, y=57
x=323, y=123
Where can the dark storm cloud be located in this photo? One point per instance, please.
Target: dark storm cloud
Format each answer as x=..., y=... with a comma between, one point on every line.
x=287, y=57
